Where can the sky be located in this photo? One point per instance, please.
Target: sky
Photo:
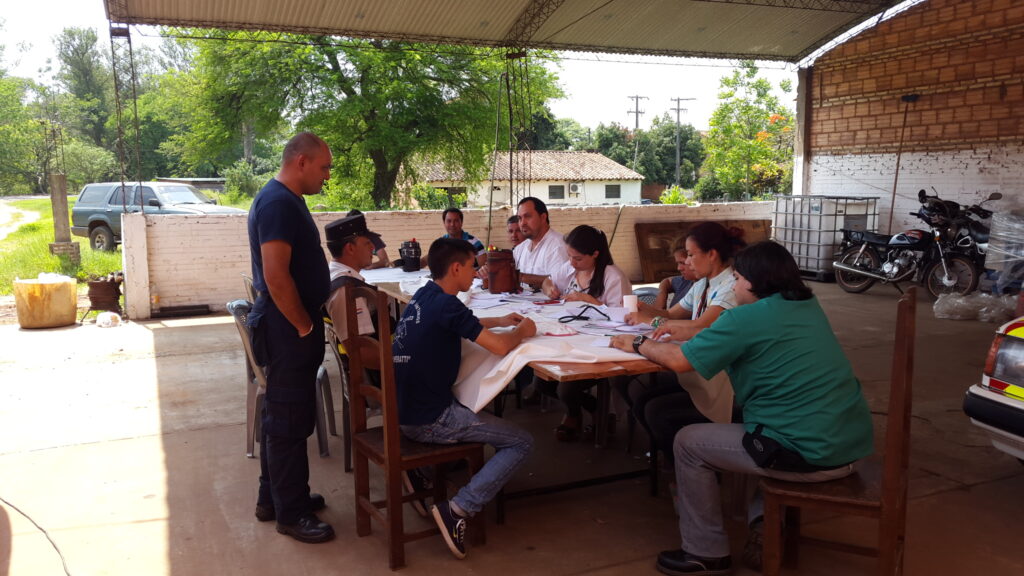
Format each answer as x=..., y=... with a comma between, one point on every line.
x=597, y=86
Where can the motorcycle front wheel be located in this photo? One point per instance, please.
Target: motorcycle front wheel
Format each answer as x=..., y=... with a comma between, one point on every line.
x=962, y=278
x=867, y=260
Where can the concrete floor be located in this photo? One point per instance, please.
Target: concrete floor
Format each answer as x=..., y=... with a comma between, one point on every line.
x=126, y=446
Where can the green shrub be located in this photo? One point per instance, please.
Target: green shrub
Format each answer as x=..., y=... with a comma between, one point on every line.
x=708, y=188
x=430, y=198
x=241, y=181
x=673, y=195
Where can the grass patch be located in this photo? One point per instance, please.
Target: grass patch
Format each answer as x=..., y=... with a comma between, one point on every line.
x=227, y=199
x=26, y=252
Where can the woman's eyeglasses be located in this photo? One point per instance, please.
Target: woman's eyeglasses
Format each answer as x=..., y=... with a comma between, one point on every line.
x=579, y=315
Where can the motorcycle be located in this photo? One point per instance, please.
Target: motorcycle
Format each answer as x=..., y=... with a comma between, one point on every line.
x=946, y=258
x=970, y=231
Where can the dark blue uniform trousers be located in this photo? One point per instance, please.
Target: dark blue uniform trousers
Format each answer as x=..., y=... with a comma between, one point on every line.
x=289, y=411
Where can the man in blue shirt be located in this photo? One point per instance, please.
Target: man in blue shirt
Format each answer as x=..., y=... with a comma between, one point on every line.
x=291, y=279
x=453, y=218
x=427, y=353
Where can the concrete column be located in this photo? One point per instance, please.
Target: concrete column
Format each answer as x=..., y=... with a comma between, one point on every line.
x=62, y=244
x=59, y=205
x=802, y=132
x=135, y=259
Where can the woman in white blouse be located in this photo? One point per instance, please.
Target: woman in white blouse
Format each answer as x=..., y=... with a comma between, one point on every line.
x=593, y=277
x=596, y=280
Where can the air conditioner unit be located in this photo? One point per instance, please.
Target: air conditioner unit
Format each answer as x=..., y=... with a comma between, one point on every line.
x=575, y=188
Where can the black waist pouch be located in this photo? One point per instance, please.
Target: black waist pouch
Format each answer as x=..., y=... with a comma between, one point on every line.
x=770, y=453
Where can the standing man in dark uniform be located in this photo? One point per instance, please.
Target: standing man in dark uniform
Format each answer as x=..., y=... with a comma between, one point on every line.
x=290, y=274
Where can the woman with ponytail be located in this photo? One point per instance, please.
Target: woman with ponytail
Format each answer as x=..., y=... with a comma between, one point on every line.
x=594, y=278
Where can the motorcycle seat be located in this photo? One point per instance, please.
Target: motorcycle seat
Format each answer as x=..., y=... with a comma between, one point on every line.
x=859, y=236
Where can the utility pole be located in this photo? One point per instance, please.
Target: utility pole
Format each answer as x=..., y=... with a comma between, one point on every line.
x=678, y=109
x=636, y=110
x=636, y=126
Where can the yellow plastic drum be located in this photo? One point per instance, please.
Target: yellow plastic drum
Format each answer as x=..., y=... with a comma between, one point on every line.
x=46, y=302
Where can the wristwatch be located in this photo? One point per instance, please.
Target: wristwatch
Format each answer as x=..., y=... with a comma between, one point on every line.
x=637, y=342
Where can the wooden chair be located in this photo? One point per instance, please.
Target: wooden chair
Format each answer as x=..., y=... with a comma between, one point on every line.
x=256, y=388
x=386, y=447
x=876, y=491
x=338, y=350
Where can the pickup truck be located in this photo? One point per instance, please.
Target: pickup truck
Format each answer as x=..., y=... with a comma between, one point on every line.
x=97, y=212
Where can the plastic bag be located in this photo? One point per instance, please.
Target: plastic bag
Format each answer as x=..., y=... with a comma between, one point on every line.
x=998, y=309
x=955, y=307
x=977, y=306
x=108, y=319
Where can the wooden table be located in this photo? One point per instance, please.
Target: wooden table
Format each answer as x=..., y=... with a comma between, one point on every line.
x=568, y=372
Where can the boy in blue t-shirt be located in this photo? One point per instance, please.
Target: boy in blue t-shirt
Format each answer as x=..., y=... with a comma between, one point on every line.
x=427, y=353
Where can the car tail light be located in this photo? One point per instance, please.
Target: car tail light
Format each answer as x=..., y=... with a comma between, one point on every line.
x=990, y=360
x=1005, y=361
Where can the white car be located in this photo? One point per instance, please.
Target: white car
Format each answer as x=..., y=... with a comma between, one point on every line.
x=996, y=405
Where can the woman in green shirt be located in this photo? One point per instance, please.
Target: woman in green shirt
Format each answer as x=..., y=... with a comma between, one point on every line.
x=805, y=417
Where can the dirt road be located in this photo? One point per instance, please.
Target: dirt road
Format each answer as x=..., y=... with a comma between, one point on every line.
x=12, y=218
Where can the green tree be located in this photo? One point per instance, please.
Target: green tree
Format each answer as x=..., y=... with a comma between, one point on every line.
x=386, y=105
x=614, y=141
x=85, y=163
x=19, y=132
x=750, y=144
x=574, y=132
x=381, y=106
x=654, y=149
x=544, y=134
x=86, y=76
x=657, y=152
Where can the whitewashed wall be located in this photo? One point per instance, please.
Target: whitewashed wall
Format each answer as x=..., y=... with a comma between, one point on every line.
x=590, y=192
x=964, y=176
x=196, y=260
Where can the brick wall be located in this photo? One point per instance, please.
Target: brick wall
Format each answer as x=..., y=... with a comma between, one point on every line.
x=195, y=260
x=964, y=135
x=964, y=57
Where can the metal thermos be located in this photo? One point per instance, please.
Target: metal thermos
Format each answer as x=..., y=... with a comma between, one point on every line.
x=502, y=275
x=410, y=253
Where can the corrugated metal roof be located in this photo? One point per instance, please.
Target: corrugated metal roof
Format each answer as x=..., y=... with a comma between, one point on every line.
x=761, y=29
x=536, y=165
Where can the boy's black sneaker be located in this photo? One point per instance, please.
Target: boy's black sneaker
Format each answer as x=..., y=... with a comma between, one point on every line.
x=453, y=528
x=416, y=481
x=679, y=562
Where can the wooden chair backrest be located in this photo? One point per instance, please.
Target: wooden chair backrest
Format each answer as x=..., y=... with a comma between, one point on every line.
x=359, y=388
x=897, y=435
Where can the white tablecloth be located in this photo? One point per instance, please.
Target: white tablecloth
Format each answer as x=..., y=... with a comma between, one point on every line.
x=482, y=375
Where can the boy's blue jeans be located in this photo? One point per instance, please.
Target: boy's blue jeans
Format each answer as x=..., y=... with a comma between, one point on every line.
x=459, y=424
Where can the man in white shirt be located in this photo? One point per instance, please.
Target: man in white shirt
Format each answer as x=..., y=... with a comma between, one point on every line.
x=542, y=254
x=351, y=246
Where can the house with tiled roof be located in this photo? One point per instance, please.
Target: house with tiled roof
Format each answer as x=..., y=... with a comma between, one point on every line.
x=558, y=177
